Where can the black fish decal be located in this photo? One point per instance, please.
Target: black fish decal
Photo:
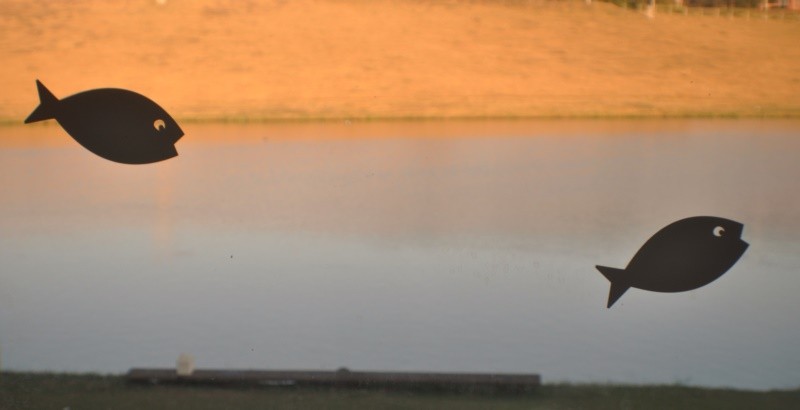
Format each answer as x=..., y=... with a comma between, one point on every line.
x=684, y=255
x=118, y=125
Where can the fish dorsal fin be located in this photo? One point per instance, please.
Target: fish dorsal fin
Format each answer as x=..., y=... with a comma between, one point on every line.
x=619, y=282
x=47, y=105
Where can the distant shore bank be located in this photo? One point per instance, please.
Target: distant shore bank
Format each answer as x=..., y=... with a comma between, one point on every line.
x=403, y=60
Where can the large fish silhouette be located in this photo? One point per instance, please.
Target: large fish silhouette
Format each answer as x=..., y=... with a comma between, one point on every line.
x=118, y=125
x=684, y=255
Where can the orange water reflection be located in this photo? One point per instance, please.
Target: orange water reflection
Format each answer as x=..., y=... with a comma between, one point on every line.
x=525, y=177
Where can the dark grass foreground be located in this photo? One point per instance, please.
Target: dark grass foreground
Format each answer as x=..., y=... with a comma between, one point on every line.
x=86, y=392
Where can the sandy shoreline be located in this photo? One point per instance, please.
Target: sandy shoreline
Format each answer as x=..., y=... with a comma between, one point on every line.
x=401, y=59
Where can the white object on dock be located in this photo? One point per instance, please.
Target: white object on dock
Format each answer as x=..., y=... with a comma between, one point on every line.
x=185, y=365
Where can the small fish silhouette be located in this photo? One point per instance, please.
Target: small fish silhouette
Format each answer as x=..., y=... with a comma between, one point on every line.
x=684, y=255
x=118, y=125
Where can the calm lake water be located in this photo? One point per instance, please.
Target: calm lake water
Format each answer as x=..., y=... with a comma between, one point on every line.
x=394, y=246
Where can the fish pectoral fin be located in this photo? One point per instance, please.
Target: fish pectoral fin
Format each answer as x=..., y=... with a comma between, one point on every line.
x=619, y=282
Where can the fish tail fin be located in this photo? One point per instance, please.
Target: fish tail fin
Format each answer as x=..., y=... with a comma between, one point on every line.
x=619, y=285
x=47, y=105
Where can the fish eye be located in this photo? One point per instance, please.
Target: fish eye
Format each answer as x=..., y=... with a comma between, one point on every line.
x=159, y=124
x=718, y=231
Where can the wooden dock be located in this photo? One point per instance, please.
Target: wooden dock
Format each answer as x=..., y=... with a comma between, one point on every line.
x=342, y=378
